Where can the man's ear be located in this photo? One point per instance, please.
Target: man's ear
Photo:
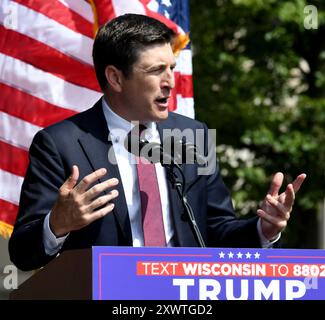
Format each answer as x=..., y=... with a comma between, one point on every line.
x=114, y=78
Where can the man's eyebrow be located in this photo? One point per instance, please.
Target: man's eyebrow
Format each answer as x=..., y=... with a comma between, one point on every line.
x=157, y=65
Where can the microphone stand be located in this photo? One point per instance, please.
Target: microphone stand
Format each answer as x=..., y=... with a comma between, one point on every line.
x=180, y=188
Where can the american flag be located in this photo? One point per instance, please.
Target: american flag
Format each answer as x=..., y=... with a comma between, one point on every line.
x=46, y=73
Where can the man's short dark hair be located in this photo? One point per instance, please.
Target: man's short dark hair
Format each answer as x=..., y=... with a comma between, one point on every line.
x=120, y=41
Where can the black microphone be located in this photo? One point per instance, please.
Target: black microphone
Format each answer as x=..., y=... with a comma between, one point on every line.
x=183, y=151
x=141, y=147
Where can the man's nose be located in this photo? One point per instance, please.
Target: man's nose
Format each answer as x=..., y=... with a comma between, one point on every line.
x=169, y=78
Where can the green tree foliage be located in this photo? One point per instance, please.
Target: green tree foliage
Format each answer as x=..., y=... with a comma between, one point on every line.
x=259, y=79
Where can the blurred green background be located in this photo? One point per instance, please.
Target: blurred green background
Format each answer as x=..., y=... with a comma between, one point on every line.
x=259, y=79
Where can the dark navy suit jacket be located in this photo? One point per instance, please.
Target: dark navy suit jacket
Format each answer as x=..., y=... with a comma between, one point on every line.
x=83, y=140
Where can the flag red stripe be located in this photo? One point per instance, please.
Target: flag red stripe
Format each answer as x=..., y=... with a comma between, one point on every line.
x=29, y=108
x=105, y=11
x=13, y=159
x=184, y=85
x=8, y=212
x=57, y=11
x=47, y=59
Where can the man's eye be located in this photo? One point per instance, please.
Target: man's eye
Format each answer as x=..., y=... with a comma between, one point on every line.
x=156, y=70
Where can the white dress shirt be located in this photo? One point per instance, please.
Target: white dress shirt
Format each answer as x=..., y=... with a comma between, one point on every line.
x=126, y=162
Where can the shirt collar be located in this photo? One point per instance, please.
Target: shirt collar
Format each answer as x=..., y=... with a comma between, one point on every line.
x=119, y=127
x=114, y=121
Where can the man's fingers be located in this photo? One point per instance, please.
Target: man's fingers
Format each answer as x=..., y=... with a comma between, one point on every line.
x=70, y=183
x=276, y=221
x=298, y=182
x=289, y=196
x=99, y=188
x=276, y=184
x=282, y=211
x=102, y=200
x=101, y=212
x=263, y=215
x=89, y=179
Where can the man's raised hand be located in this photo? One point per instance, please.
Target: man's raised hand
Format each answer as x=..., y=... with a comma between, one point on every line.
x=78, y=205
x=276, y=208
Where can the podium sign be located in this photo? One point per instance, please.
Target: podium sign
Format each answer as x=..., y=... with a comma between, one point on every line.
x=127, y=273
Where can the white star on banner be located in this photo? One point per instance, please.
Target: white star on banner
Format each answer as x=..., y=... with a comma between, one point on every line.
x=257, y=255
x=221, y=254
x=239, y=255
x=230, y=255
x=248, y=255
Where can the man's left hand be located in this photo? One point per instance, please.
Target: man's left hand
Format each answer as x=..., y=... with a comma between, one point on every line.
x=276, y=208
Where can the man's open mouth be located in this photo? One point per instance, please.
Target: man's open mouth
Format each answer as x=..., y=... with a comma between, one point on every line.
x=162, y=100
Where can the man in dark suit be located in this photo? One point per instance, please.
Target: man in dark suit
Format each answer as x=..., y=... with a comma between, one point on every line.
x=99, y=202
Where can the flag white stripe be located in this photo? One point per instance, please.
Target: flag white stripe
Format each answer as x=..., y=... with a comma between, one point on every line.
x=17, y=132
x=184, y=62
x=41, y=28
x=83, y=8
x=185, y=106
x=127, y=6
x=45, y=86
x=10, y=187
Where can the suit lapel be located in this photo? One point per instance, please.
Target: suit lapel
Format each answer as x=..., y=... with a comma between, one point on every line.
x=96, y=146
